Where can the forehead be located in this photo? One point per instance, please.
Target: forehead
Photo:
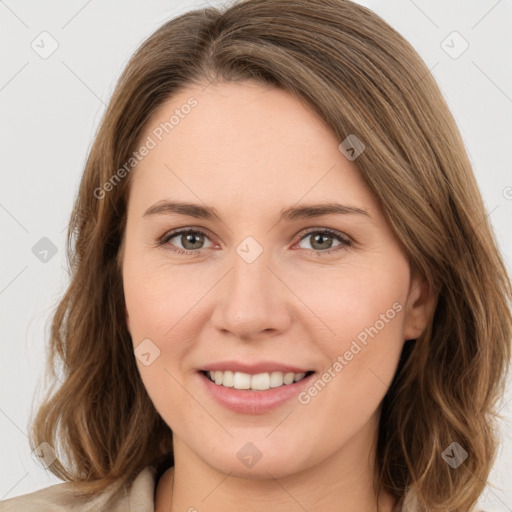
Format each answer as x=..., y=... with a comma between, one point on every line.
x=245, y=143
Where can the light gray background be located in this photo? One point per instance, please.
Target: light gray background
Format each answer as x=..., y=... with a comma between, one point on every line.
x=51, y=108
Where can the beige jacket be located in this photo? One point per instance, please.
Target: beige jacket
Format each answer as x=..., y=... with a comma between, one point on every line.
x=139, y=498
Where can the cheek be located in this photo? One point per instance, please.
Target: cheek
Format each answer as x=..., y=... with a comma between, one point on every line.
x=345, y=302
x=159, y=308
x=163, y=303
x=157, y=296
x=363, y=351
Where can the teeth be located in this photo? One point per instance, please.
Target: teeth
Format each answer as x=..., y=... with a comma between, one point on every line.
x=259, y=382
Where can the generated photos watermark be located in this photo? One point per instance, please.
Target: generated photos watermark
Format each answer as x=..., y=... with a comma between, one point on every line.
x=150, y=143
x=343, y=360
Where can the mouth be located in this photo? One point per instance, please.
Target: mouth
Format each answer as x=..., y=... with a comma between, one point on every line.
x=257, y=382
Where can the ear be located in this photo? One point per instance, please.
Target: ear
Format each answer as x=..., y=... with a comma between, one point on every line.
x=421, y=303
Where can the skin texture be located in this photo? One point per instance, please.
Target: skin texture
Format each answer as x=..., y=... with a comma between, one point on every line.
x=249, y=151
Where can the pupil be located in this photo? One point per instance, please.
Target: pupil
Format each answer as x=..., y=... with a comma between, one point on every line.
x=319, y=236
x=190, y=237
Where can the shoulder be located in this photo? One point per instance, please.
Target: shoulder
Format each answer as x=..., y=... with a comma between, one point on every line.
x=410, y=503
x=57, y=497
x=68, y=497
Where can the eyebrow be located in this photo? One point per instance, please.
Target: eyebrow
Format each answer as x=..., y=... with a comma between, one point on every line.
x=288, y=214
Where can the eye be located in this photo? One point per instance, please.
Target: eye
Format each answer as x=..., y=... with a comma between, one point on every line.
x=322, y=240
x=190, y=239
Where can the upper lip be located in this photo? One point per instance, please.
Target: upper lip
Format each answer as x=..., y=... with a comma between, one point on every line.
x=254, y=368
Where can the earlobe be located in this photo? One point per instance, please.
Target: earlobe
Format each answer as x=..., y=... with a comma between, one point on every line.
x=421, y=303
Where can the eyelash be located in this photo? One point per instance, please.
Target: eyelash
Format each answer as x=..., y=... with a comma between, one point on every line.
x=344, y=239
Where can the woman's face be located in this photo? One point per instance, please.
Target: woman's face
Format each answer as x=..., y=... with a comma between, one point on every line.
x=265, y=286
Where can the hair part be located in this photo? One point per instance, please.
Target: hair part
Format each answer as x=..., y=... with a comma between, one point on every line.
x=361, y=77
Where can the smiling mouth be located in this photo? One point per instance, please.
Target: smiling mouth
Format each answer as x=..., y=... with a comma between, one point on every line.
x=258, y=382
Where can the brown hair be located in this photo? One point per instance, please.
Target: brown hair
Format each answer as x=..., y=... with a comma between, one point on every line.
x=363, y=78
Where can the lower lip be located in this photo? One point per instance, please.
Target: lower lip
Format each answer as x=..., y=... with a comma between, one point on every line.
x=250, y=401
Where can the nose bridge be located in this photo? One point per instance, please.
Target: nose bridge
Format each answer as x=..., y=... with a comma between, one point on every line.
x=251, y=282
x=252, y=299
x=251, y=269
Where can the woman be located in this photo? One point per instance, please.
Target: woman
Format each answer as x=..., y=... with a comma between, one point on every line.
x=285, y=291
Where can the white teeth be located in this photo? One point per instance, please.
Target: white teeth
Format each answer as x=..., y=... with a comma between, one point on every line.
x=228, y=379
x=276, y=379
x=259, y=382
x=241, y=381
x=288, y=378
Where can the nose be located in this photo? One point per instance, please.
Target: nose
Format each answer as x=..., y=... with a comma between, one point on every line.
x=253, y=301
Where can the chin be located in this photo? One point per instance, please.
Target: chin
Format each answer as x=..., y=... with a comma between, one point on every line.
x=259, y=459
